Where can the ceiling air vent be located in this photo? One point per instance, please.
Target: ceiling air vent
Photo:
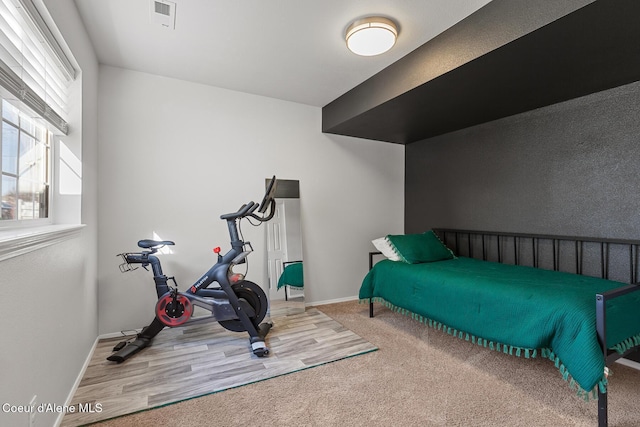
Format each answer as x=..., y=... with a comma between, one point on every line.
x=163, y=13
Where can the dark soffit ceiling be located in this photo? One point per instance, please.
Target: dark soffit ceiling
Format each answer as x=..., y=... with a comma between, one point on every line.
x=593, y=48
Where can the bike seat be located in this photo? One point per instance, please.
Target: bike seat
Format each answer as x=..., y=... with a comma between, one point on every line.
x=147, y=243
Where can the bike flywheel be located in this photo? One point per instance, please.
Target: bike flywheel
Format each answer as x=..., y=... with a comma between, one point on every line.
x=173, y=310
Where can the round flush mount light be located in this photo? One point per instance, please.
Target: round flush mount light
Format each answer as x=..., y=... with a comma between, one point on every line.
x=371, y=36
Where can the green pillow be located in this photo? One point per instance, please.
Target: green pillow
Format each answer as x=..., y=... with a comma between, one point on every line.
x=419, y=248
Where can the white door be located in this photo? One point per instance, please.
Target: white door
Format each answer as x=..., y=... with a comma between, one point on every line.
x=276, y=249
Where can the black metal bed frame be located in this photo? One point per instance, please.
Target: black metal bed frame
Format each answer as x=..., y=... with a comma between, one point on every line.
x=544, y=251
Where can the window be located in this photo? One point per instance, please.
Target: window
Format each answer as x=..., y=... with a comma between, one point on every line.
x=37, y=82
x=35, y=76
x=34, y=68
x=25, y=149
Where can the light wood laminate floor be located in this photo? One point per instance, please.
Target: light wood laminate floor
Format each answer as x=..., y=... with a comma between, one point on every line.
x=204, y=358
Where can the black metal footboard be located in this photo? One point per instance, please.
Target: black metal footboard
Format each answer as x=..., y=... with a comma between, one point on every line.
x=609, y=355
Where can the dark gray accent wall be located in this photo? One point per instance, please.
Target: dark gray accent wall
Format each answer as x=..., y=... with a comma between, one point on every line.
x=568, y=169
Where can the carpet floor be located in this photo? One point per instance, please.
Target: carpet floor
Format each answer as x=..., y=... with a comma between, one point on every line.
x=418, y=377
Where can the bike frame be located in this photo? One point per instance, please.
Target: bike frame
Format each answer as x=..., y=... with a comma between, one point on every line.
x=222, y=302
x=214, y=300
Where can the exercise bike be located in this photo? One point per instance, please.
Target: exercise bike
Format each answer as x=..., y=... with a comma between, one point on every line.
x=237, y=304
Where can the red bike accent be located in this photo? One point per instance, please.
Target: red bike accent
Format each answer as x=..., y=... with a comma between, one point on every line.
x=235, y=278
x=173, y=316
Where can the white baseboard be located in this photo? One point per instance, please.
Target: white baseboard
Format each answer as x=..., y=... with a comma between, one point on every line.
x=77, y=382
x=331, y=301
x=124, y=334
x=629, y=363
x=129, y=333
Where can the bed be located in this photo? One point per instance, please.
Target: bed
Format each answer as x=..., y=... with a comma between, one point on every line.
x=508, y=292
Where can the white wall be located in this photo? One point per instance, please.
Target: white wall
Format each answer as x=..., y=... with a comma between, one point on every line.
x=49, y=314
x=175, y=155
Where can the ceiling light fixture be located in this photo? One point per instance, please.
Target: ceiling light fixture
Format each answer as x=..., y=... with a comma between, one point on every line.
x=371, y=36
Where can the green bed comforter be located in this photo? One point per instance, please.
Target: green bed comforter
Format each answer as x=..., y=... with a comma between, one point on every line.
x=504, y=306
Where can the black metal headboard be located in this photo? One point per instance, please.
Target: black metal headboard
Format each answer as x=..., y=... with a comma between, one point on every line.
x=614, y=259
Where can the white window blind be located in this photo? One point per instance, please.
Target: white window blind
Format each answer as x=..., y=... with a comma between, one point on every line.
x=33, y=66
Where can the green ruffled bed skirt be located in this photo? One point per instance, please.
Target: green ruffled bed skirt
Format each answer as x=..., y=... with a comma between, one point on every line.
x=527, y=353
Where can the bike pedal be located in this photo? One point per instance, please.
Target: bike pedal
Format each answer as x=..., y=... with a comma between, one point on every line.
x=119, y=346
x=259, y=348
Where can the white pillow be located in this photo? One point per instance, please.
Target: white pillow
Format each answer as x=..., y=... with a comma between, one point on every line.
x=384, y=245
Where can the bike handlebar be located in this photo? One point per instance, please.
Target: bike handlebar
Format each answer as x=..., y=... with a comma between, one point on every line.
x=272, y=206
x=244, y=210
x=248, y=209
